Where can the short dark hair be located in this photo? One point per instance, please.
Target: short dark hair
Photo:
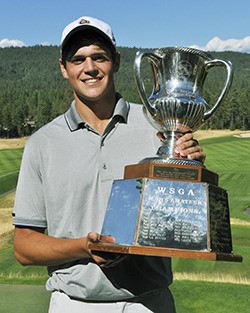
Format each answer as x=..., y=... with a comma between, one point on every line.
x=86, y=37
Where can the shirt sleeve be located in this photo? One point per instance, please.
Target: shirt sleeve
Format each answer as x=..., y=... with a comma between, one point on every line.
x=29, y=207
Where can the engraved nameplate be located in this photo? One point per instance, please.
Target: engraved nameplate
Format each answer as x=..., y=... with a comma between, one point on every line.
x=168, y=213
x=175, y=172
x=174, y=215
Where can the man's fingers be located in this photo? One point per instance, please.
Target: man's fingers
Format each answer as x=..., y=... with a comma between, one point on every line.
x=93, y=237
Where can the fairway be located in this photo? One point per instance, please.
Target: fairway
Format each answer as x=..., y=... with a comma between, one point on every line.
x=23, y=299
x=204, y=297
x=229, y=157
x=190, y=297
x=10, y=160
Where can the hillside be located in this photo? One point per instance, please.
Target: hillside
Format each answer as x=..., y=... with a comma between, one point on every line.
x=32, y=90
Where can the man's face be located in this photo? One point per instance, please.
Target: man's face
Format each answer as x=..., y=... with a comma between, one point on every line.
x=90, y=71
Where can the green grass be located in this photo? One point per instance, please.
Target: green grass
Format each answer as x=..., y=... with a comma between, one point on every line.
x=190, y=297
x=198, y=297
x=8, y=182
x=213, y=269
x=23, y=299
x=10, y=160
x=229, y=157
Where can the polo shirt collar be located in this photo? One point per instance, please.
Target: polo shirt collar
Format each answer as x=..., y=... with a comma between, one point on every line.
x=75, y=122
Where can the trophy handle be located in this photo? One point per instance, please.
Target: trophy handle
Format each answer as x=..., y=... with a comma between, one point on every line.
x=154, y=60
x=228, y=65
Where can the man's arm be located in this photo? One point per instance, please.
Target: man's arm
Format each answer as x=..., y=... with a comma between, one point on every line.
x=33, y=247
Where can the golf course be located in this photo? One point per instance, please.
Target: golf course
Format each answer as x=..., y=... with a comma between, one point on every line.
x=199, y=285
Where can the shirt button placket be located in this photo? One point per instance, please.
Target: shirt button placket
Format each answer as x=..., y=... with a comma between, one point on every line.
x=105, y=169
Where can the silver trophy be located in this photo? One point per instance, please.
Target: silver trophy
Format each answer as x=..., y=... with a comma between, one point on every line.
x=165, y=205
x=175, y=105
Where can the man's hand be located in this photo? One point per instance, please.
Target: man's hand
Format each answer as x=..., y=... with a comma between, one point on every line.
x=187, y=147
x=104, y=259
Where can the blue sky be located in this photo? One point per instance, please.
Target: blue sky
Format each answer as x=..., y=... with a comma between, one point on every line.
x=210, y=25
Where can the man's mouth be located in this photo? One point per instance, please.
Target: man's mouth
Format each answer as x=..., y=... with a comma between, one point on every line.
x=91, y=80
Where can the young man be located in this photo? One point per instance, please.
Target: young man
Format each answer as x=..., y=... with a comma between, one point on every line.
x=65, y=179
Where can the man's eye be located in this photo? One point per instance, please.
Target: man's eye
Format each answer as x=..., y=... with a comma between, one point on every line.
x=100, y=58
x=77, y=61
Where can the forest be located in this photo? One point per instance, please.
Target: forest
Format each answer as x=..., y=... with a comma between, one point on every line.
x=33, y=91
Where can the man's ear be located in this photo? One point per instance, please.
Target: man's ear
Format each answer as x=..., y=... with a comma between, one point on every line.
x=117, y=62
x=63, y=69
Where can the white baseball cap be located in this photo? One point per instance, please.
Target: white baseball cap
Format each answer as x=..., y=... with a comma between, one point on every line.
x=87, y=22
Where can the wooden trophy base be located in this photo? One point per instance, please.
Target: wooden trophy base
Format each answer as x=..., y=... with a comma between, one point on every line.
x=190, y=173
x=166, y=252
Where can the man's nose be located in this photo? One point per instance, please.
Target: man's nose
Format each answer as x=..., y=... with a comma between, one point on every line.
x=90, y=65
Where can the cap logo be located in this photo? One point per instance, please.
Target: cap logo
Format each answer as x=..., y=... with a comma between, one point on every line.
x=83, y=21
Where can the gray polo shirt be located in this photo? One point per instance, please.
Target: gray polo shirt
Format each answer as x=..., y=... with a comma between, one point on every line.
x=64, y=185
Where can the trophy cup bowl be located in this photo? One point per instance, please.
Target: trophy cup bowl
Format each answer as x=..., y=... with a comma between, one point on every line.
x=175, y=105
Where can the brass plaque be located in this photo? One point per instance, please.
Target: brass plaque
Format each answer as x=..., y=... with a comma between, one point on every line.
x=184, y=173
